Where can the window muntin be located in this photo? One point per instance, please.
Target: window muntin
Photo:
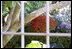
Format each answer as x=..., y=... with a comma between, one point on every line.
x=47, y=35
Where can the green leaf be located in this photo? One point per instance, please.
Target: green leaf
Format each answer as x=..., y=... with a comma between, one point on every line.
x=34, y=44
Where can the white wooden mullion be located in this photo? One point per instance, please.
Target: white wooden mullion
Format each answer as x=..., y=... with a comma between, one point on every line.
x=1, y=28
x=47, y=24
x=22, y=24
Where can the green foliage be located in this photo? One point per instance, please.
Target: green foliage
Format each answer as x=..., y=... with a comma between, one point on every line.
x=34, y=44
x=64, y=41
x=15, y=42
x=30, y=6
x=6, y=7
x=28, y=39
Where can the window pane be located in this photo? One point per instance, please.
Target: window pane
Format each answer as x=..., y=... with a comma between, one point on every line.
x=12, y=42
x=11, y=15
x=60, y=20
x=60, y=42
x=35, y=16
x=29, y=40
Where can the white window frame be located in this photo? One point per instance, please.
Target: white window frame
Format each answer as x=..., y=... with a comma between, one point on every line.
x=23, y=33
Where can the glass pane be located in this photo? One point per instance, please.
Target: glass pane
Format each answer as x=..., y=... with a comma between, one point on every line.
x=60, y=42
x=35, y=16
x=37, y=41
x=60, y=19
x=11, y=16
x=12, y=41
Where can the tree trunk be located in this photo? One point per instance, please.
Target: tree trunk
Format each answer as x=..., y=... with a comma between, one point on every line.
x=13, y=23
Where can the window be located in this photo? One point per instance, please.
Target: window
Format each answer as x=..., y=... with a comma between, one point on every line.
x=39, y=25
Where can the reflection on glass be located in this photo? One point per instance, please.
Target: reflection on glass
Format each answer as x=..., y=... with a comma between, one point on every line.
x=12, y=42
